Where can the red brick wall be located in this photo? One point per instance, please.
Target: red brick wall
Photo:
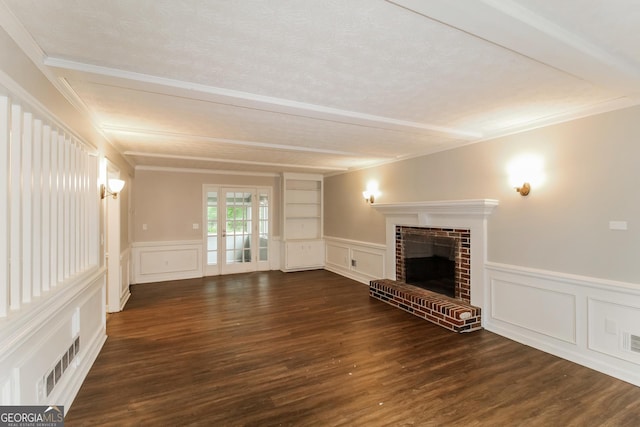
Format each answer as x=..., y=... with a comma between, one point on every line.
x=462, y=237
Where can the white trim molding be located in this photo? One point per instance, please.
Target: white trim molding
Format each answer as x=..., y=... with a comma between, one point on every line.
x=167, y=260
x=125, y=277
x=360, y=261
x=468, y=207
x=582, y=319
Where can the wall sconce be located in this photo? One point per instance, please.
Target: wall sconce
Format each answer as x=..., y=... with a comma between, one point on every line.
x=371, y=192
x=115, y=186
x=524, y=189
x=526, y=172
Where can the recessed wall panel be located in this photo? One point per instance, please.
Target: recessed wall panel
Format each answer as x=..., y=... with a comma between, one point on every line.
x=613, y=326
x=544, y=311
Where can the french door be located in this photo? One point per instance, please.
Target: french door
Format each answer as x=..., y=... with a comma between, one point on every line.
x=237, y=231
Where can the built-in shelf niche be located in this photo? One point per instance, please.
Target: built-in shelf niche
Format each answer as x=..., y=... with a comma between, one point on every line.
x=303, y=207
x=303, y=246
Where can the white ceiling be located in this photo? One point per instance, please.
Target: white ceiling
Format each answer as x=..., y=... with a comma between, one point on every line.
x=326, y=85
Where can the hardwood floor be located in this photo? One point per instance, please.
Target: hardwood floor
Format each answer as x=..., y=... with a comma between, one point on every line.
x=312, y=348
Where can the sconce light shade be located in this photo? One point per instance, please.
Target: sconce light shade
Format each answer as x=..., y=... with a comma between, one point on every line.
x=371, y=192
x=525, y=172
x=115, y=186
x=371, y=198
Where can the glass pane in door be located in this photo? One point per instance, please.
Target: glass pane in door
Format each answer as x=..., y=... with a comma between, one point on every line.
x=238, y=227
x=263, y=229
x=212, y=227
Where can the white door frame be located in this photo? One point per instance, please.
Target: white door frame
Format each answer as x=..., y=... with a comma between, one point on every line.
x=112, y=248
x=221, y=267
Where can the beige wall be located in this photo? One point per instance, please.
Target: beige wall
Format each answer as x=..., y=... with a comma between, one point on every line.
x=171, y=202
x=592, y=174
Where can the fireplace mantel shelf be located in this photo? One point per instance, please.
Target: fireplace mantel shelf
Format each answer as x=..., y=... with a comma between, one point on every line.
x=474, y=207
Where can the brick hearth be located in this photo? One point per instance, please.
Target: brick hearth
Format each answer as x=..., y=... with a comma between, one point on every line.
x=453, y=314
x=456, y=314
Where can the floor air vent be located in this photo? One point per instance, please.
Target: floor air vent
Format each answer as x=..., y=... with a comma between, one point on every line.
x=634, y=344
x=64, y=362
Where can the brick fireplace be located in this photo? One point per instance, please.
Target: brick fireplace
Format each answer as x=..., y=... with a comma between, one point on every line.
x=462, y=254
x=463, y=222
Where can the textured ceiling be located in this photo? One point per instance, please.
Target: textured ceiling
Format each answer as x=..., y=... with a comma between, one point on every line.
x=327, y=85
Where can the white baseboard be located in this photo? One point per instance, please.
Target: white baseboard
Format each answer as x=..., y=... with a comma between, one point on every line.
x=124, y=299
x=92, y=349
x=348, y=274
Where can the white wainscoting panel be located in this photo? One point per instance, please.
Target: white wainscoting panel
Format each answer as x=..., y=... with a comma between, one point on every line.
x=368, y=262
x=360, y=261
x=544, y=311
x=612, y=326
x=35, y=345
x=338, y=255
x=162, y=261
x=586, y=320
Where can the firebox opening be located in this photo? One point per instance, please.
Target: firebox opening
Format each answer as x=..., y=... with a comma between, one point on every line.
x=430, y=263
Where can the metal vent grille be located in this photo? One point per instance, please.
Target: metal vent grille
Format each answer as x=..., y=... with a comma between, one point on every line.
x=631, y=342
x=54, y=376
x=634, y=343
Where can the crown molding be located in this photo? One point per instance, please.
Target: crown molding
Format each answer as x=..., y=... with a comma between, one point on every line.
x=237, y=162
x=573, y=114
x=205, y=171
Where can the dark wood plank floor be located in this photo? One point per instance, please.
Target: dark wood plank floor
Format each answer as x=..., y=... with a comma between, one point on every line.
x=312, y=348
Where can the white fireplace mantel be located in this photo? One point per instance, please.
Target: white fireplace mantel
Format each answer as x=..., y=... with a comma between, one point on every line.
x=469, y=214
x=481, y=207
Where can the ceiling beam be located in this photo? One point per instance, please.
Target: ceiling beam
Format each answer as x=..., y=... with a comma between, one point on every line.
x=256, y=101
x=253, y=144
x=510, y=25
x=230, y=161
